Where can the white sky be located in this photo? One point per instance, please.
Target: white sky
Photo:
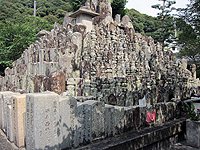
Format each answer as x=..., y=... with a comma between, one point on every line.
x=144, y=6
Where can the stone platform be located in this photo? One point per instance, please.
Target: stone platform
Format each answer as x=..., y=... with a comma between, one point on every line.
x=166, y=136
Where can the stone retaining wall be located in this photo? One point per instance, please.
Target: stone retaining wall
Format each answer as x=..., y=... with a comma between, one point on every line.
x=47, y=120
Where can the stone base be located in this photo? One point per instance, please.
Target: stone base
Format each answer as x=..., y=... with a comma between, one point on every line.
x=157, y=137
x=193, y=133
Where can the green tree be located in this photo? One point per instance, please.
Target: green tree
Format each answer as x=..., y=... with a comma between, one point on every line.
x=51, y=19
x=118, y=7
x=167, y=22
x=144, y=24
x=76, y=4
x=188, y=26
x=15, y=9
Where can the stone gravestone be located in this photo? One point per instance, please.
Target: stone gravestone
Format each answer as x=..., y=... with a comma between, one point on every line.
x=97, y=119
x=184, y=63
x=42, y=120
x=119, y=119
x=1, y=109
x=6, y=100
x=67, y=120
x=9, y=126
x=84, y=123
x=57, y=81
x=67, y=19
x=18, y=110
x=193, y=70
x=142, y=102
x=109, y=121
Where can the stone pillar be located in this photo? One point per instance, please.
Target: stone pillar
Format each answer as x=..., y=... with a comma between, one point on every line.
x=6, y=100
x=109, y=121
x=84, y=128
x=19, y=109
x=9, y=126
x=97, y=117
x=41, y=121
x=67, y=122
x=1, y=109
x=193, y=70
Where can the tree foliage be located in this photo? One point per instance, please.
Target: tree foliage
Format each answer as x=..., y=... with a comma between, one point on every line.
x=76, y=4
x=118, y=7
x=146, y=25
x=188, y=26
x=14, y=9
x=166, y=28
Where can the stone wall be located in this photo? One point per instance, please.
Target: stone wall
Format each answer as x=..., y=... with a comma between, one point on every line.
x=50, y=121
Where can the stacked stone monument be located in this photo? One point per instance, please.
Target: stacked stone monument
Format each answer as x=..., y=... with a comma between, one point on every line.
x=106, y=78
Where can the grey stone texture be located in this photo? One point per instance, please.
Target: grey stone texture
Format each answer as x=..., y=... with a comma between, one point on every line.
x=42, y=114
x=9, y=125
x=97, y=119
x=6, y=100
x=193, y=133
x=1, y=109
x=67, y=121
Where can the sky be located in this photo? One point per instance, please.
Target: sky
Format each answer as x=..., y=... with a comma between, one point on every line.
x=144, y=6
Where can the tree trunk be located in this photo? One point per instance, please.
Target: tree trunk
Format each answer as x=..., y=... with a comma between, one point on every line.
x=34, y=13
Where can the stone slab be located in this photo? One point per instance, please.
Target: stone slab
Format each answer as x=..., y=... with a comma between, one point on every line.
x=42, y=120
x=18, y=109
x=1, y=109
x=84, y=115
x=193, y=133
x=67, y=121
x=144, y=139
x=9, y=126
x=6, y=98
x=119, y=119
x=97, y=118
x=109, y=121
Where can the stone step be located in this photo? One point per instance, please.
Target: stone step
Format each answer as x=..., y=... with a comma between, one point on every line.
x=163, y=136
